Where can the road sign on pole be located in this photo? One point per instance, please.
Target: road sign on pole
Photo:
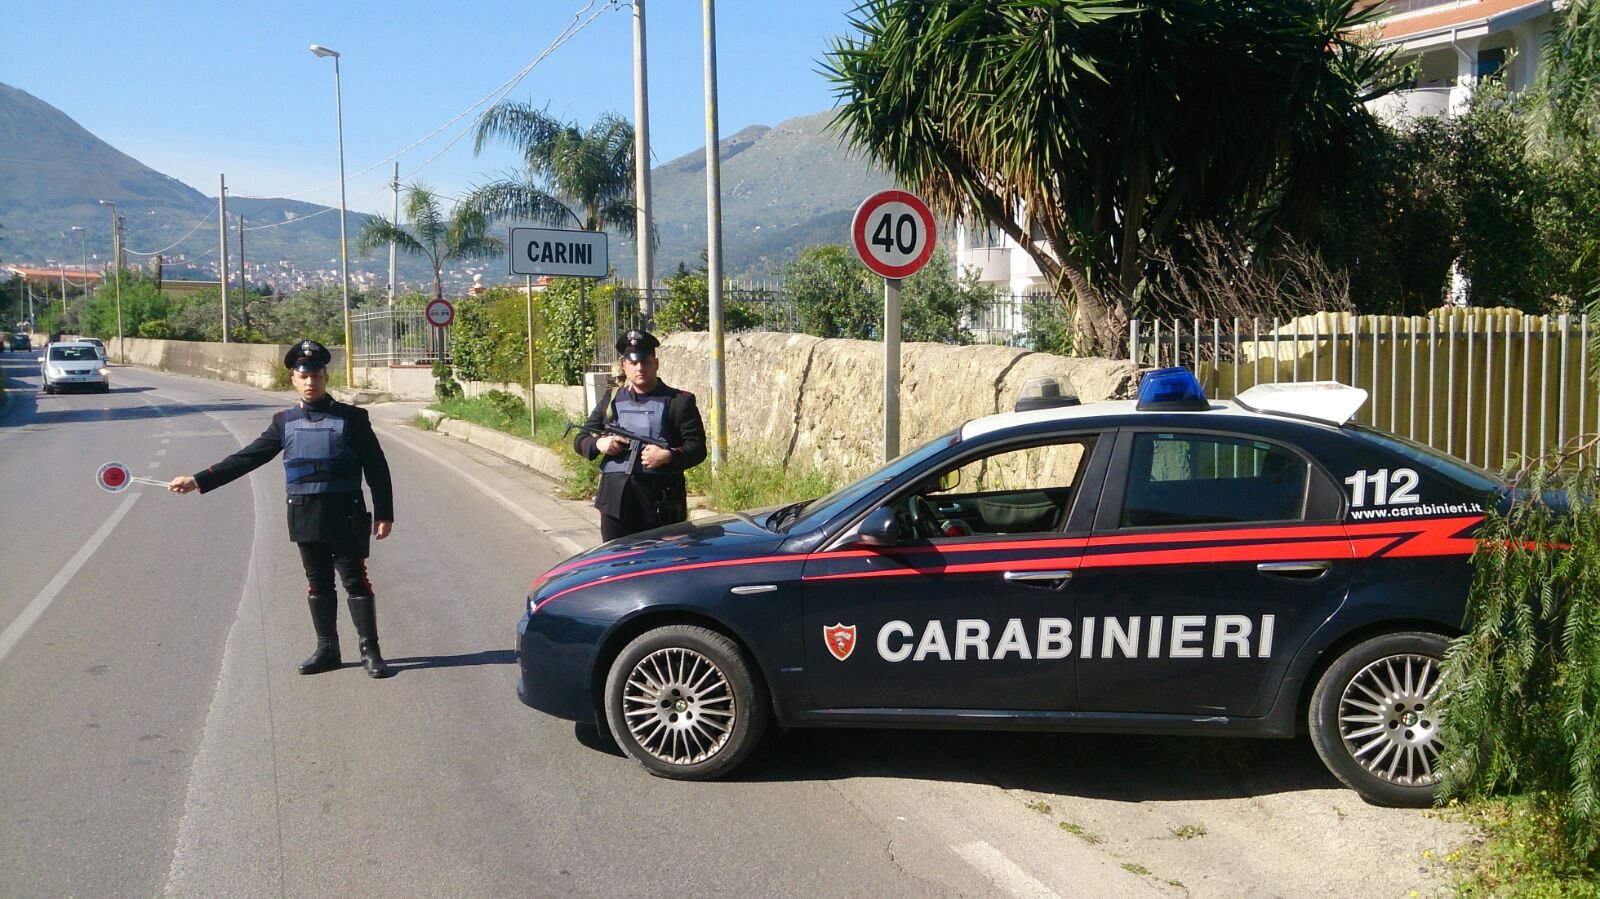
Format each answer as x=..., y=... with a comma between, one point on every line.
x=893, y=233
x=551, y=251
x=440, y=313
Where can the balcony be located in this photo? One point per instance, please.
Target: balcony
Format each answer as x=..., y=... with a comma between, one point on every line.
x=993, y=264
x=1421, y=102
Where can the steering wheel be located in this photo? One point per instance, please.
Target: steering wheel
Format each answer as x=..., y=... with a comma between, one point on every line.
x=923, y=521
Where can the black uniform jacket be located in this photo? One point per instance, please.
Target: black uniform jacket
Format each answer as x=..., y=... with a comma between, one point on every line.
x=681, y=427
x=317, y=517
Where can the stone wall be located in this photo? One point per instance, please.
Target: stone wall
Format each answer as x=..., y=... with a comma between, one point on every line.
x=255, y=364
x=817, y=402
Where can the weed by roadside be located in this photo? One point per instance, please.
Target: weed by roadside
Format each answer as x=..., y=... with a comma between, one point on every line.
x=1520, y=855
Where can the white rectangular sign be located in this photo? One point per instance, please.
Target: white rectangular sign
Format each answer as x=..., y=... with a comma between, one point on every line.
x=549, y=251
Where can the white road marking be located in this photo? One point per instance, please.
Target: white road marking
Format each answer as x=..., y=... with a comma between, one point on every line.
x=155, y=464
x=1002, y=871
x=14, y=631
x=161, y=452
x=531, y=519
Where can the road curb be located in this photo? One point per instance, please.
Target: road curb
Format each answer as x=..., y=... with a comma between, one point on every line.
x=500, y=443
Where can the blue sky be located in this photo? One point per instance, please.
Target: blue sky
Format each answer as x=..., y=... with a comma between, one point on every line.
x=197, y=89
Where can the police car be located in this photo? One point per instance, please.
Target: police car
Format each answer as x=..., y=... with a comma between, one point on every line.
x=1168, y=565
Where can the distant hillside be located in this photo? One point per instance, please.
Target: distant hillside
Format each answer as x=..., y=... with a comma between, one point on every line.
x=783, y=188
x=53, y=173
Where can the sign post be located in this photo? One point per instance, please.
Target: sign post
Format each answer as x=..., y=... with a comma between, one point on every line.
x=892, y=232
x=559, y=253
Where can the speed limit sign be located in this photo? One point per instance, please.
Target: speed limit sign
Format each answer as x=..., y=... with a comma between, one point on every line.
x=893, y=233
x=440, y=313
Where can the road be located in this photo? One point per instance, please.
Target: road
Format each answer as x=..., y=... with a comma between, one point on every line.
x=158, y=741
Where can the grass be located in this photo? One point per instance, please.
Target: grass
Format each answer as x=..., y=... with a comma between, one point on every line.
x=1038, y=805
x=742, y=482
x=1189, y=831
x=1078, y=831
x=1518, y=856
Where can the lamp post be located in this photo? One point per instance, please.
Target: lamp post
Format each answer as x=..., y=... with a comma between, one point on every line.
x=83, y=245
x=116, y=260
x=344, y=244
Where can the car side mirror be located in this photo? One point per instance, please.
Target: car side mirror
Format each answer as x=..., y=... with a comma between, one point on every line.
x=950, y=480
x=879, y=528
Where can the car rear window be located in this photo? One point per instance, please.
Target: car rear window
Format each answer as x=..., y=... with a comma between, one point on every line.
x=1469, y=476
x=74, y=354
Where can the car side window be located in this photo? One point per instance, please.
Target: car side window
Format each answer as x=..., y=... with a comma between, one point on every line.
x=1194, y=479
x=1016, y=490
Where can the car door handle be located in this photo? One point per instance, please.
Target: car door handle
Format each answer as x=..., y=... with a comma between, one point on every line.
x=1309, y=570
x=1054, y=580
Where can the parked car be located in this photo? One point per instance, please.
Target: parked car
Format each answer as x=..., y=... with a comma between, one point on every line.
x=1171, y=565
x=74, y=364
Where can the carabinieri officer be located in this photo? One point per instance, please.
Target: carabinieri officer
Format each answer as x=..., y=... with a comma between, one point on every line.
x=327, y=446
x=655, y=495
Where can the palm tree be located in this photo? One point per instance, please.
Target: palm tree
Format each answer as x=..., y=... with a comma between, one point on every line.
x=569, y=176
x=461, y=235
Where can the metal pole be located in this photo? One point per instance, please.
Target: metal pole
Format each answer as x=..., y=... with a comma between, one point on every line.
x=344, y=243
x=891, y=368
x=394, y=283
x=222, y=247
x=116, y=259
x=641, y=147
x=533, y=413
x=719, y=423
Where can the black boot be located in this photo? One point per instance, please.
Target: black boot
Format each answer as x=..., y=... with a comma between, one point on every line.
x=325, y=619
x=365, y=612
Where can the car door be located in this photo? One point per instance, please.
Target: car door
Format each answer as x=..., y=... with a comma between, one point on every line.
x=1214, y=556
x=975, y=617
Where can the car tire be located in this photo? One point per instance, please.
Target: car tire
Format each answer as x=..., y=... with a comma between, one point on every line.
x=684, y=702
x=1374, y=718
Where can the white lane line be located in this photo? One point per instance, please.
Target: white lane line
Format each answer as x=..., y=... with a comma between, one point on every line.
x=14, y=631
x=155, y=464
x=1002, y=871
x=531, y=519
x=161, y=452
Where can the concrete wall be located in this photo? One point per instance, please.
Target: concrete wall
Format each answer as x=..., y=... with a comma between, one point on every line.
x=255, y=364
x=819, y=402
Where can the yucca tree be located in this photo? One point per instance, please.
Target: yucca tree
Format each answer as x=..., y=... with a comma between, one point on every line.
x=570, y=176
x=1093, y=132
x=463, y=234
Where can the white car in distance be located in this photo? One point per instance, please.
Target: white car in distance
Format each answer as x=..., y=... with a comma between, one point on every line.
x=73, y=364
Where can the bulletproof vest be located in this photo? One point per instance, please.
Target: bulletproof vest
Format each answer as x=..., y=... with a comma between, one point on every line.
x=645, y=415
x=317, y=458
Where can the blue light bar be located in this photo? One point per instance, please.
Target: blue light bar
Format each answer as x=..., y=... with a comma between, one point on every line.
x=1171, y=390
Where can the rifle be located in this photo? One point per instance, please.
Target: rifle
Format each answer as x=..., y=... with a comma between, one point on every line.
x=636, y=442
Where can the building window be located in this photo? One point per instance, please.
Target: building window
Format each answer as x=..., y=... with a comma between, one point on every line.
x=1491, y=63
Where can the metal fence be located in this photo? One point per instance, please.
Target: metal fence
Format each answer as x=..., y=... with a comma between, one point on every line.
x=1486, y=385
x=397, y=337
x=1013, y=319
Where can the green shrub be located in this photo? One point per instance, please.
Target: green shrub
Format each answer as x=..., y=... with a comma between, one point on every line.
x=445, y=386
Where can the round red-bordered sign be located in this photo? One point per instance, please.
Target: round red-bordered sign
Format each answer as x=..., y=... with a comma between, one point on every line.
x=440, y=313
x=893, y=233
x=113, y=477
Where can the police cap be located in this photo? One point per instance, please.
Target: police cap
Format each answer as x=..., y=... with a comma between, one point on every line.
x=636, y=346
x=307, y=355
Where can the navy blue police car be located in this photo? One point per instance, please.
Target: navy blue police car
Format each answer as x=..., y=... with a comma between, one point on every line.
x=1168, y=565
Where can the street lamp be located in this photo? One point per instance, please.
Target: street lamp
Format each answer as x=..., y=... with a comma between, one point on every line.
x=116, y=260
x=83, y=244
x=344, y=244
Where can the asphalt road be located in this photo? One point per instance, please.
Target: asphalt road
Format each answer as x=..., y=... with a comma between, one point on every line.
x=158, y=741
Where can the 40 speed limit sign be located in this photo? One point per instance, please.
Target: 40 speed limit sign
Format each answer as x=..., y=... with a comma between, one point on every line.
x=893, y=233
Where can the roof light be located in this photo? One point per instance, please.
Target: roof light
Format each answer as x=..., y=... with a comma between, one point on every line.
x=1326, y=401
x=1171, y=390
x=1048, y=392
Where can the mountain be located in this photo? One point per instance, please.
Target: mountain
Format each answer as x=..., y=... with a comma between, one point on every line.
x=53, y=173
x=784, y=188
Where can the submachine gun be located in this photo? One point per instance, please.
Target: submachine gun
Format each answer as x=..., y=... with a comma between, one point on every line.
x=636, y=442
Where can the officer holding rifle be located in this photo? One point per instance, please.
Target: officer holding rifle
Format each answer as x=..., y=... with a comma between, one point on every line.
x=641, y=480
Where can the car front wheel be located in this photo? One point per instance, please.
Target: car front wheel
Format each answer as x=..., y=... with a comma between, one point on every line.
x=684, y=703
x=1374, y=718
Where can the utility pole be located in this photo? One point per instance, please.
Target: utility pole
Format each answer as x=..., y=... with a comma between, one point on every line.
x=244, y=292
x=641, y=154
x=719, y=419
x=394, y=285
x=222, y=247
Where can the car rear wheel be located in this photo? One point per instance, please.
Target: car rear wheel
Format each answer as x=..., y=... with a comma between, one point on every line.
x=1374, y=718
x=682, y=701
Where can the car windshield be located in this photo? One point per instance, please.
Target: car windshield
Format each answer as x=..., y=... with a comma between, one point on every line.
x=74, y=354
x=1469, y=476
x=827, y=507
